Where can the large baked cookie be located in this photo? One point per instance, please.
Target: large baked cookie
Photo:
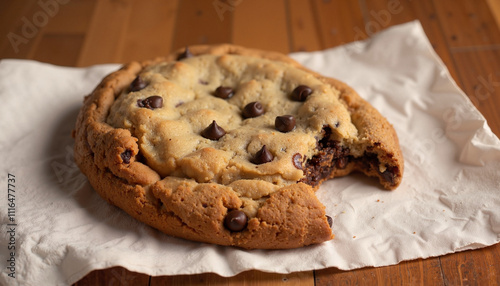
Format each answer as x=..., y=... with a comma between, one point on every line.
x=226, y=145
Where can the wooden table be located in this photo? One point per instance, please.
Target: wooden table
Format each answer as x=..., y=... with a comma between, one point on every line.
x=465, y=34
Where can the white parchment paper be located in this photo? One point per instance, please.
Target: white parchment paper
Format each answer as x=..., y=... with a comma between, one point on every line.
x=449, y=199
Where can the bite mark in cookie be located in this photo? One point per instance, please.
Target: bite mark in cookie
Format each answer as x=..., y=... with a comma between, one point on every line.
x=331, y=156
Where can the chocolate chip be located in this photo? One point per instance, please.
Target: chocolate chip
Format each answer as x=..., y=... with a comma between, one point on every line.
x=337, y=124
x=186, y=54
x=301, y=92
x=330, y=220
x=235, y=220
x=284, y=123
x=213, y=131
x=151, y=102
x=224, y=92
x=126, y=155
x=263, y=156
x=138, y=84
x=253, y=109
x=297, y=161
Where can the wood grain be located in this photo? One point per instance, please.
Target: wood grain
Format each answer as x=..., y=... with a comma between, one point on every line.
x=388, y=13
x=339, y=22
x=114, y=276
x=103, y=41
x=198, y=23
x=417, y=272
x=149, y=35
x=477, y=267
x=467, y=23
x=494, y=6
x=249, y=278
x=19, y=33
x=304, y=33
x=464, y=33
x=268, y=30
x=58, y=49
x=71, y=18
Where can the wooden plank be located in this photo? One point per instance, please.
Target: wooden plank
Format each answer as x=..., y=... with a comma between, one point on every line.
x=494, y=6
x=426, y=13
x=57, y=43
x=334, y=276
x=11, y=12
x=421, y=272
x=417, y=272
x=339, y=22
x=249, y=278
x=19, y=32
x=467, y=23
x=70, y=18
x=150, y=30
x=114, y=276
x=384, y=13
x=59, y=49
x=261, y=24
x=104, y=38
x=480, y=79
x=478, y=267
x=199, y=23
x=303, y=31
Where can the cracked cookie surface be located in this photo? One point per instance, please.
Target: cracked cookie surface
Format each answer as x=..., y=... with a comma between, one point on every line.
x=227, y=145
x=171, y=136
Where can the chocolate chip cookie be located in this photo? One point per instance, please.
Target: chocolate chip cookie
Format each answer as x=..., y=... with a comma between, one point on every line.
x=227, y=145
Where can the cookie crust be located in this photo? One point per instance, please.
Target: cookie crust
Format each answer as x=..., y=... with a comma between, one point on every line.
x=287, y=216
